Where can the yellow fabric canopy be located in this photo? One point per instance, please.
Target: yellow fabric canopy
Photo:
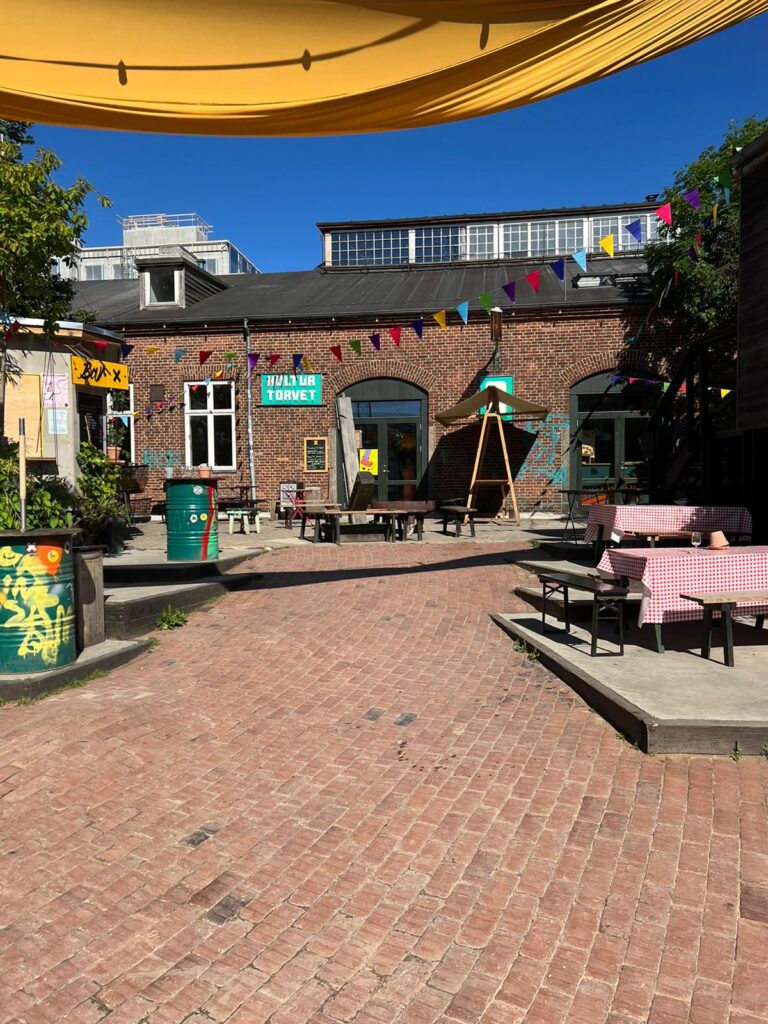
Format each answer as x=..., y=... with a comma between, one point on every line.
x=515, y=406
x=323, y=67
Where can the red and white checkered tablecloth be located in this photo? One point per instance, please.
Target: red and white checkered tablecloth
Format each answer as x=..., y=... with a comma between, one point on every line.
x=666, y=573
x=638, y=518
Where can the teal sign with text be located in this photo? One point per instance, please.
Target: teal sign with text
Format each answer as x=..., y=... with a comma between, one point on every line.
x=505, y=384
x=291, y=389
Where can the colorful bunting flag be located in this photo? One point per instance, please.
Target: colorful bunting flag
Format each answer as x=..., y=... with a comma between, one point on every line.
x=178, y=354
x=5, y=318
x=308, y=365
x=580, y=256
x=207, y=381
x=100, y=345
x=693, y=255
x=558, y=269
x=394, y=333
x=124, y=418
x=486, y=301
x=693, y=198
x=125, y=350
x=606, y=244
x=273, y=358
x=440, y=318
x=230, y=356
x=635, y=229
x=375, y=340
x=631, y=379
x=13, y=329
x=727, y=193
x=665, y=386
x=676, y=276
x=615, y=379
x=725, y=178
x=355, y=345
x=204, y=357
x=714, y=214
x=533, y=280
x=665, y=213
x=152, y=349
x=698, y=240
x=193, y=387
x=509, y=289
x=418, y=326
x=724, y=392
x=630, y=339
x=463, y=310
x=297, y=357
x=336, y=350
x=253, y=358
x=218, y=375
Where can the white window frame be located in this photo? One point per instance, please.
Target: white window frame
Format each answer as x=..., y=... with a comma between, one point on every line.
x=209, y=412
x=131, y=421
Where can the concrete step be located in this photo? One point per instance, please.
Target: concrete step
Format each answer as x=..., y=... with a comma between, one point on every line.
x=131, y=610
x=152, y=567
x=583, y=553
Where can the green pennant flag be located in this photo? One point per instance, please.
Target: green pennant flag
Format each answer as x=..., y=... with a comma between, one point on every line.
x=665, y=386
x=230, y=356
x=486, y=301
x=355, y=345
x=725, y=178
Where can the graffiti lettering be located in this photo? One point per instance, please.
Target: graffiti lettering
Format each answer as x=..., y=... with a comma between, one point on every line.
x=33, y=604
x=159, y=460
x=541, y=464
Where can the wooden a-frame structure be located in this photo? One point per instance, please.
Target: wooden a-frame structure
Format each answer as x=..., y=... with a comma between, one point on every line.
x=499, y=405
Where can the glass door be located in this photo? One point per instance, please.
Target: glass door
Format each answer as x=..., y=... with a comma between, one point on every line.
x=402, y=445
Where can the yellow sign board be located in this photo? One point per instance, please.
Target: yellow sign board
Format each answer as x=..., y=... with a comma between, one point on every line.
x=97, y=373
x=369, y=460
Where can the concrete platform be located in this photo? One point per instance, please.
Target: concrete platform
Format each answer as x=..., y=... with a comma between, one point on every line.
x=151, y=566
x=676, y=702
x=99, y=658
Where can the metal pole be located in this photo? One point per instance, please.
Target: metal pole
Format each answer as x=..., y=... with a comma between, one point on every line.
x=249, y=410
x=23, y=474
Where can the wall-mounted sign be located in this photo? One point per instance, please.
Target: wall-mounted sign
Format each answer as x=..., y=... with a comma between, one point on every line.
x=506, y=384
x=99, y=374
x=369, y=460
x=315, y=454
x=291, y=389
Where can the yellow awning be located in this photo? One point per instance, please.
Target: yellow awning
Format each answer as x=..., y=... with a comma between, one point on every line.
x=515, y=406
x=323, y=67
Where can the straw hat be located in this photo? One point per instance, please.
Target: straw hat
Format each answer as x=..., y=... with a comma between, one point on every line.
x=717, y=540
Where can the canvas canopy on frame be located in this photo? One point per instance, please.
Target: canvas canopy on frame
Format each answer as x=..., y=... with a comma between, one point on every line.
x=324, y=67
x=498, y=405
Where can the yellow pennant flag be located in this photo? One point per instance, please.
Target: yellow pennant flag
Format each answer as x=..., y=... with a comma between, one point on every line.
x=151, y=349
x=724, y=392
x=607, y=244
x=218, y=374
x=714, y=214
x=440, y=317
x=308, y=365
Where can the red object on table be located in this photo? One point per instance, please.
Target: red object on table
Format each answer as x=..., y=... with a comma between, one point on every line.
x=666, y=573
x=667, y=518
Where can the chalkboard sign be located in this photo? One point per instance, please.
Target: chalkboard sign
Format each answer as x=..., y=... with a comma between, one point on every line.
x=315, y=454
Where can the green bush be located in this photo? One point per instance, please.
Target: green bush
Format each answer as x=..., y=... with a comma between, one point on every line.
x=51, y=502
x=98, y=497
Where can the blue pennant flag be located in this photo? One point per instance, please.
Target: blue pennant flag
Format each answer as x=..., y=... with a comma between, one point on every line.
x=297, y=357
x=179, y=354
x=635, y=229
x=580, y=256
x=463, y=311
x=125, y=350
x=558, y=269
x=418, y=326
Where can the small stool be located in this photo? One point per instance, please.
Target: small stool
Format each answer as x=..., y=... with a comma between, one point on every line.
x=244, y=515
x=457, y=513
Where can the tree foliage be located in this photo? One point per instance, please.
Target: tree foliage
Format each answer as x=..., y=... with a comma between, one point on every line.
x=40, y=220
x=695, y=265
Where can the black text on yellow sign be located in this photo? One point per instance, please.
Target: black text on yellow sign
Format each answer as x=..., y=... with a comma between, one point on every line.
x=99, y=374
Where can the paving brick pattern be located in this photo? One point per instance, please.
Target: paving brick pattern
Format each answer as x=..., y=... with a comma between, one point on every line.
x=236, y=828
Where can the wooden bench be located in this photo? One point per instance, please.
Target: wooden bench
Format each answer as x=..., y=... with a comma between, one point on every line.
x=458, y=513
x=607, y=596
x=725, y=602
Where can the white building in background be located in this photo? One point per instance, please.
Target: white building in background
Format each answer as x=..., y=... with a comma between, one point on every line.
x=149, y=234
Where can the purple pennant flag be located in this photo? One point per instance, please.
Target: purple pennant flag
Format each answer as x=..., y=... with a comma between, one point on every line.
x=615, y=379
x=375, y=340
x=635, y=229
x=509, y=288
x=297, y=357
x=253, y=358
x=418, y=326
x=693, y=198
x=558, y=269
x=693, y=254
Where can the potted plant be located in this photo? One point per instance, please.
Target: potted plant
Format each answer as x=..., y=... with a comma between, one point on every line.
x=116, y=432
x=204, y=470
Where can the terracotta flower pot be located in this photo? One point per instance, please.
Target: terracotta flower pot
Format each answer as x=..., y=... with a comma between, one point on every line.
x=204, y=471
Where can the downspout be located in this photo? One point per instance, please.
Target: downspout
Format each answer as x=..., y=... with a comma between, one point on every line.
x=249, y=410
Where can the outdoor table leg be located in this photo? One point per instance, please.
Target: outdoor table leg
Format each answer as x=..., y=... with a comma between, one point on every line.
x=728, y=634
x=759, y=621
x=706, y=644
x=303, y=527
x=420, y=535
x=336, y=520
x=599, y=543
x=445, y=523
x=657, y=635
x=458, y=525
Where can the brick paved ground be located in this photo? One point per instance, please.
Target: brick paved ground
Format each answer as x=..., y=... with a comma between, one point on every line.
x=503, y=858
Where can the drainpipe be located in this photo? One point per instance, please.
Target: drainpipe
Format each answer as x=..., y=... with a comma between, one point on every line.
x=249, y=408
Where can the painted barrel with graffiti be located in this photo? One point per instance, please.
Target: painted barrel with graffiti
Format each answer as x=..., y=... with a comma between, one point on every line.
x=37, y=600
x=191, y=506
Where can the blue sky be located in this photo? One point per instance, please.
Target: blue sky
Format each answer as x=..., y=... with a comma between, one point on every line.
x=613, y=141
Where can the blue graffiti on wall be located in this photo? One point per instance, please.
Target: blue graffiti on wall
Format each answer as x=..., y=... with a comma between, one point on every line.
x=542, y=462
x=159, y=460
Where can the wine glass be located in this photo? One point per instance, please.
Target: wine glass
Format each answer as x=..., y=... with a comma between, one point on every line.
x=696, y=540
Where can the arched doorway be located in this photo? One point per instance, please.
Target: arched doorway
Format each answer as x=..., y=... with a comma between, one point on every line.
x=609, y=416
x=391, y=419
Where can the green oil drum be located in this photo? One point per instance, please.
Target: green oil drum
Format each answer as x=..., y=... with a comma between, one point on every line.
x=37, y=600
x=191, y=507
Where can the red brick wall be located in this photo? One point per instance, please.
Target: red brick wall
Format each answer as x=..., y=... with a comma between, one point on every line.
x=546, y=353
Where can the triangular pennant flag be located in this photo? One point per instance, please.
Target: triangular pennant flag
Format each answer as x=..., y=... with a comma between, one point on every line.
x=394, y=333
x=440, y=318
x=558, y=269
x=152, y=350
x=615, y=379
x=125, y=350
x=418, y=326
x=693, y=198
x=336, y=350
x=204, y=357
x=580, y=257
x=274, y=356
x=693, y=254
x=727, y=192
x=698, y=240
x=606, y=243
x=355, y=345
x=665, y=213
x=193, y=387
x=533, y=280
x=509, y=290
x=676, y=276
x=218, y=375
x=308, y=365
x=725, y=178
x=207, y=381
x=101, y=345
x=178, y=354
x=124, y=418
x=665, y=386
x=683, y=389
x=486, y=301
x=148, y=410
x=463, y=310
x=375, y=340
x=631, y=379
x=630, y=339
x=297, y=357
x=230, y=356
x=724, y=392
x=253, y=358
x=635, y=229
x=714, y=214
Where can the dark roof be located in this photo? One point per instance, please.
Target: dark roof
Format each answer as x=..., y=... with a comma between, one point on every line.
x=339, y=294
x=756, y=151
x=462, y=218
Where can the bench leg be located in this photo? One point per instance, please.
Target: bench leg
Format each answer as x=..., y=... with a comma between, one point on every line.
x=620, y=613
x=706, y=643
x=728, y=634
x=445, y=523
x=595, y=622
x=336, y=520
x=317, y=530
x=458, y=525
x=567, y=610
x=472, y=526
x=230, y=518
x=257, y=523
x=419, y=527
x=246, y=528
x=303, y=528
x=759, y=621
